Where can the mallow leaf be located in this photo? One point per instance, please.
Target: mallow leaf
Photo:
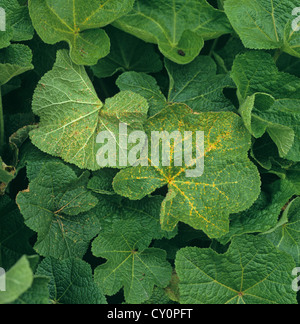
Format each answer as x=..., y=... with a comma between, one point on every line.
x=146, y=212
x=179, y=27
x=101, y=182
x=18, y=26
x=71, y=282
x=265, y=24
x=14, y=235
x=127, y=53
x=252, y=271
x=286, y=234
x=112, y=208
x=79, y=23
x=256, y=71
x=58, y=206
x=19, y=279
x=264, y=214
x=130, y=263
x=196, y=85
x=279, y=118
x=37, y=294
x=14, y=60
x=146, y=86
x=72, y=115
x=230, y=182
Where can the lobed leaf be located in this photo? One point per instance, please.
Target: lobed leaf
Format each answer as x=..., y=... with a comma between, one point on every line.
x=130, y=263
x=78, y=22
x=127, y=53
x=18, y=280
x=230, y=182
x=14, y=60
x=18, y=26
x=179, y=27
x=252, y=271
x=265, y=24
x=70, y=282
x=58, y=207
x=72, y=115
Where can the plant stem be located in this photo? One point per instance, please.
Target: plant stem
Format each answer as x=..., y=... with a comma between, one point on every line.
x=1, y=122
x=213, y=47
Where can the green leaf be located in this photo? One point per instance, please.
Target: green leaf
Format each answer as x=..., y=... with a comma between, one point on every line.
x=34, y=160
x=265, y=24
x=71, y=282
x=280, y=119
x=227, y=54
x=72, y=115
x=18, y=25
x=14, y=60
x=256, y=71
x=179, y=27
x=146, y=212
x=187, y=236
x=112, y=208
x=198, y=86
x=14, y=235
x=58, y=206
x=159, y=297
x=264, y=214
x=37, y=294
x=101, y=181
x=127, y=53
x=18, y=280
x=130, y=263
x=252, y=271
x=7, y=174
x=230, y=182
x=146, y=86
x=195, y=84
x=78, y=23
x=286, y=234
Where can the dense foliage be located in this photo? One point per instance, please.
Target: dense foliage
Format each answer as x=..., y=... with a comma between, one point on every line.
x=74, y=232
